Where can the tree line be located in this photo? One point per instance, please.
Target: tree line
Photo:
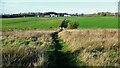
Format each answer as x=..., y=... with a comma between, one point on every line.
x=39, y=14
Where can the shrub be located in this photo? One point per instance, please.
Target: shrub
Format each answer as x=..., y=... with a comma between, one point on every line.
x=64, y=23
x=72, y=25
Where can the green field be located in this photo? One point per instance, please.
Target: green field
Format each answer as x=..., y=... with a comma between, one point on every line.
x=42, y=22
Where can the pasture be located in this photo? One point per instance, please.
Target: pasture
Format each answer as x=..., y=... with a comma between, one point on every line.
x=53, y=22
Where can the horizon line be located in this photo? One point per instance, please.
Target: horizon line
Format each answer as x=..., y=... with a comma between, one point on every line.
x=58, y=12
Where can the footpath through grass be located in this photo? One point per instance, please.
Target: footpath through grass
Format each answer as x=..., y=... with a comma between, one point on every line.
x=53, y=22
x=58, y=57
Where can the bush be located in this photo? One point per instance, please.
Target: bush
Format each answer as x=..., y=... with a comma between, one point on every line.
x=72, y=25
x=64, y=23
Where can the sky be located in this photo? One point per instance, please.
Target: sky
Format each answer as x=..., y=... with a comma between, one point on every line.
x=68, y=6
x=60, y=0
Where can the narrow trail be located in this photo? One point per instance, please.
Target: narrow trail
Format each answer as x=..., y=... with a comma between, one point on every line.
x=57, y=57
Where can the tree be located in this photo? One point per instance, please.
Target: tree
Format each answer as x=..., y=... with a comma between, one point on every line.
x=82, y=14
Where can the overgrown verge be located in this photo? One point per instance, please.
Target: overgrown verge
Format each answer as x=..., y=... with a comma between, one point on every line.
x=24, y=49
x=95, y=47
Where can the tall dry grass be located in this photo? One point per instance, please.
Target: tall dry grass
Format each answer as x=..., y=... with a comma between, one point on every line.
x=25, y=48
x=95, y=47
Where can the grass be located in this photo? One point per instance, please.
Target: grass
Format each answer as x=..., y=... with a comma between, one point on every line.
x=92, y=47
x=24, y=48
x=95, y=47
x=96, y=22
x=30, y=23
x=42, y=22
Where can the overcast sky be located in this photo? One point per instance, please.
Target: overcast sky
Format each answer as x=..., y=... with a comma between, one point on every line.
x=69, y=6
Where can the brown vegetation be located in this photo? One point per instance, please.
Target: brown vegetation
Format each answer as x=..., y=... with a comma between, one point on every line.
x=95, y=47
x=25, y=48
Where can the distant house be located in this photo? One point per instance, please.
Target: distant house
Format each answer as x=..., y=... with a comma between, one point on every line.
x=54, y=14
x=51, y=14
x=66, y=15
